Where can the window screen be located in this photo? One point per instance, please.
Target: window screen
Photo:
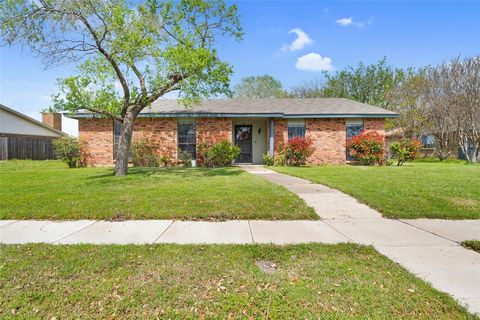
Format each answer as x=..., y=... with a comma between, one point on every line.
x=353, y=128
x=187, y=138
x=295, y=131
x=296, y=128
x=117, y=129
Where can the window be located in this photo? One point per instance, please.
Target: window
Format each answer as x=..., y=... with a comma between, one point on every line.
x=428, y=141
x=117, y=129
x=296, y=128
x=187, y=138
x=353, y=128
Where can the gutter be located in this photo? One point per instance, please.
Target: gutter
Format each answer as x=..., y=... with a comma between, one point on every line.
x=81, y=115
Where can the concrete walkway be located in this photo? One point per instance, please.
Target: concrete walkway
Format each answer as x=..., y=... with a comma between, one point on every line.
x=428, y=248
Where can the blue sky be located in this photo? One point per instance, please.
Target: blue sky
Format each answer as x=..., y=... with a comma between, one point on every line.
x=332, y=36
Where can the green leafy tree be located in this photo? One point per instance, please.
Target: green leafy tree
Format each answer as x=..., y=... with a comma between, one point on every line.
x=264, y=86
x=375, y=84
x=364, y=83
x=127, y=54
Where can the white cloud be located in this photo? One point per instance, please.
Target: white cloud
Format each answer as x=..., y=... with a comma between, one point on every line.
x=299, y=43
x=344, y=21
x=314, y=62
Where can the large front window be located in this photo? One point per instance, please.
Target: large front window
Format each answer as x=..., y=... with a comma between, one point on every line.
x=296, y=129
x=353, y=128
x=187, y=138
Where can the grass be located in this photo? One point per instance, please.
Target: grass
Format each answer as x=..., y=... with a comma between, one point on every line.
x=49, y=190
x=414, y=190
x=178, y=282
x=472, y=244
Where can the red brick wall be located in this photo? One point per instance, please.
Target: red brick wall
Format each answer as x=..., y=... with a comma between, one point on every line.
x=280, y=132
x=52, y=119
x=98, y=136
x=328, y=137
x=213, y=130
x=98, y=133
x=374, y=124
x=162, y=132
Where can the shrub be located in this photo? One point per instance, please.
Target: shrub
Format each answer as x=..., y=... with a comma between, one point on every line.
x=165, y=161
x=143, y=153
x=218, y=155
x=70, y=151
x=298, y=151
x=405, y=150
x=294, y=153
x=268, y=159
x=367, y=147
x=279, y=158
x=185, y=158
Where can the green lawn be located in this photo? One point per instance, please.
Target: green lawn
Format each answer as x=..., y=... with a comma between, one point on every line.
x=49, y=190
x=177, y=282
x=414, y=190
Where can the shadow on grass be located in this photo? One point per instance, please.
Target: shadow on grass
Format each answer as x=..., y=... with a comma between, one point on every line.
x=179, y=172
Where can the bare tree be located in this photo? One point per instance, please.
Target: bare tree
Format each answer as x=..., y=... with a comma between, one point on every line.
x=452, y=106
x=466, y=75
x=312, y=89
x=437, y=100
x=405, y=99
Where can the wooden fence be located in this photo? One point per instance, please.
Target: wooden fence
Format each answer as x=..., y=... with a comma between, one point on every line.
x=26, y=147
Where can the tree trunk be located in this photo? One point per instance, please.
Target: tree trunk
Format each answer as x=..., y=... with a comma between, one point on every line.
x=124, y=142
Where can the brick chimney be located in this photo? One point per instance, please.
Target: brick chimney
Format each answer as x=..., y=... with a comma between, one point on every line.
x=52, y=119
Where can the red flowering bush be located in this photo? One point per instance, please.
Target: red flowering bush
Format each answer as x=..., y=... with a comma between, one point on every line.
x=295, y=152
x=367, y=147
x=405, y=150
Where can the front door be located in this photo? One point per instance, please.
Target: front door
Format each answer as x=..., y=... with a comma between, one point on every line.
x=243, y=139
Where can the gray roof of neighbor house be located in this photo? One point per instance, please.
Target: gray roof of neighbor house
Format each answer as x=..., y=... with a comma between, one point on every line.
x=277, y=108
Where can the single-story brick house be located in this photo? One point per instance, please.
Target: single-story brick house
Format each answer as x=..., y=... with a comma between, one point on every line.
x=255, y=125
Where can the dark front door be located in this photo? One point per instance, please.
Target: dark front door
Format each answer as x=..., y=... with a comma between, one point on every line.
x=243, y=139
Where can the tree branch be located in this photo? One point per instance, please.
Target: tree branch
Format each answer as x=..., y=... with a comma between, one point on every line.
x=106, y=113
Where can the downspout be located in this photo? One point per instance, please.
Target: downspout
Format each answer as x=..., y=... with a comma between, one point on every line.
x=271, y=129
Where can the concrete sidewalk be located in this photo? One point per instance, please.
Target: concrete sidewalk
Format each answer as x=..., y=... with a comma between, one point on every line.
x=167, y=231
x=428, y=248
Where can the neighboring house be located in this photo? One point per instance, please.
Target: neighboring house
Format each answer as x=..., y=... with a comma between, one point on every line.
x=22, y=137
x=257, y=126
x=428, y=144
